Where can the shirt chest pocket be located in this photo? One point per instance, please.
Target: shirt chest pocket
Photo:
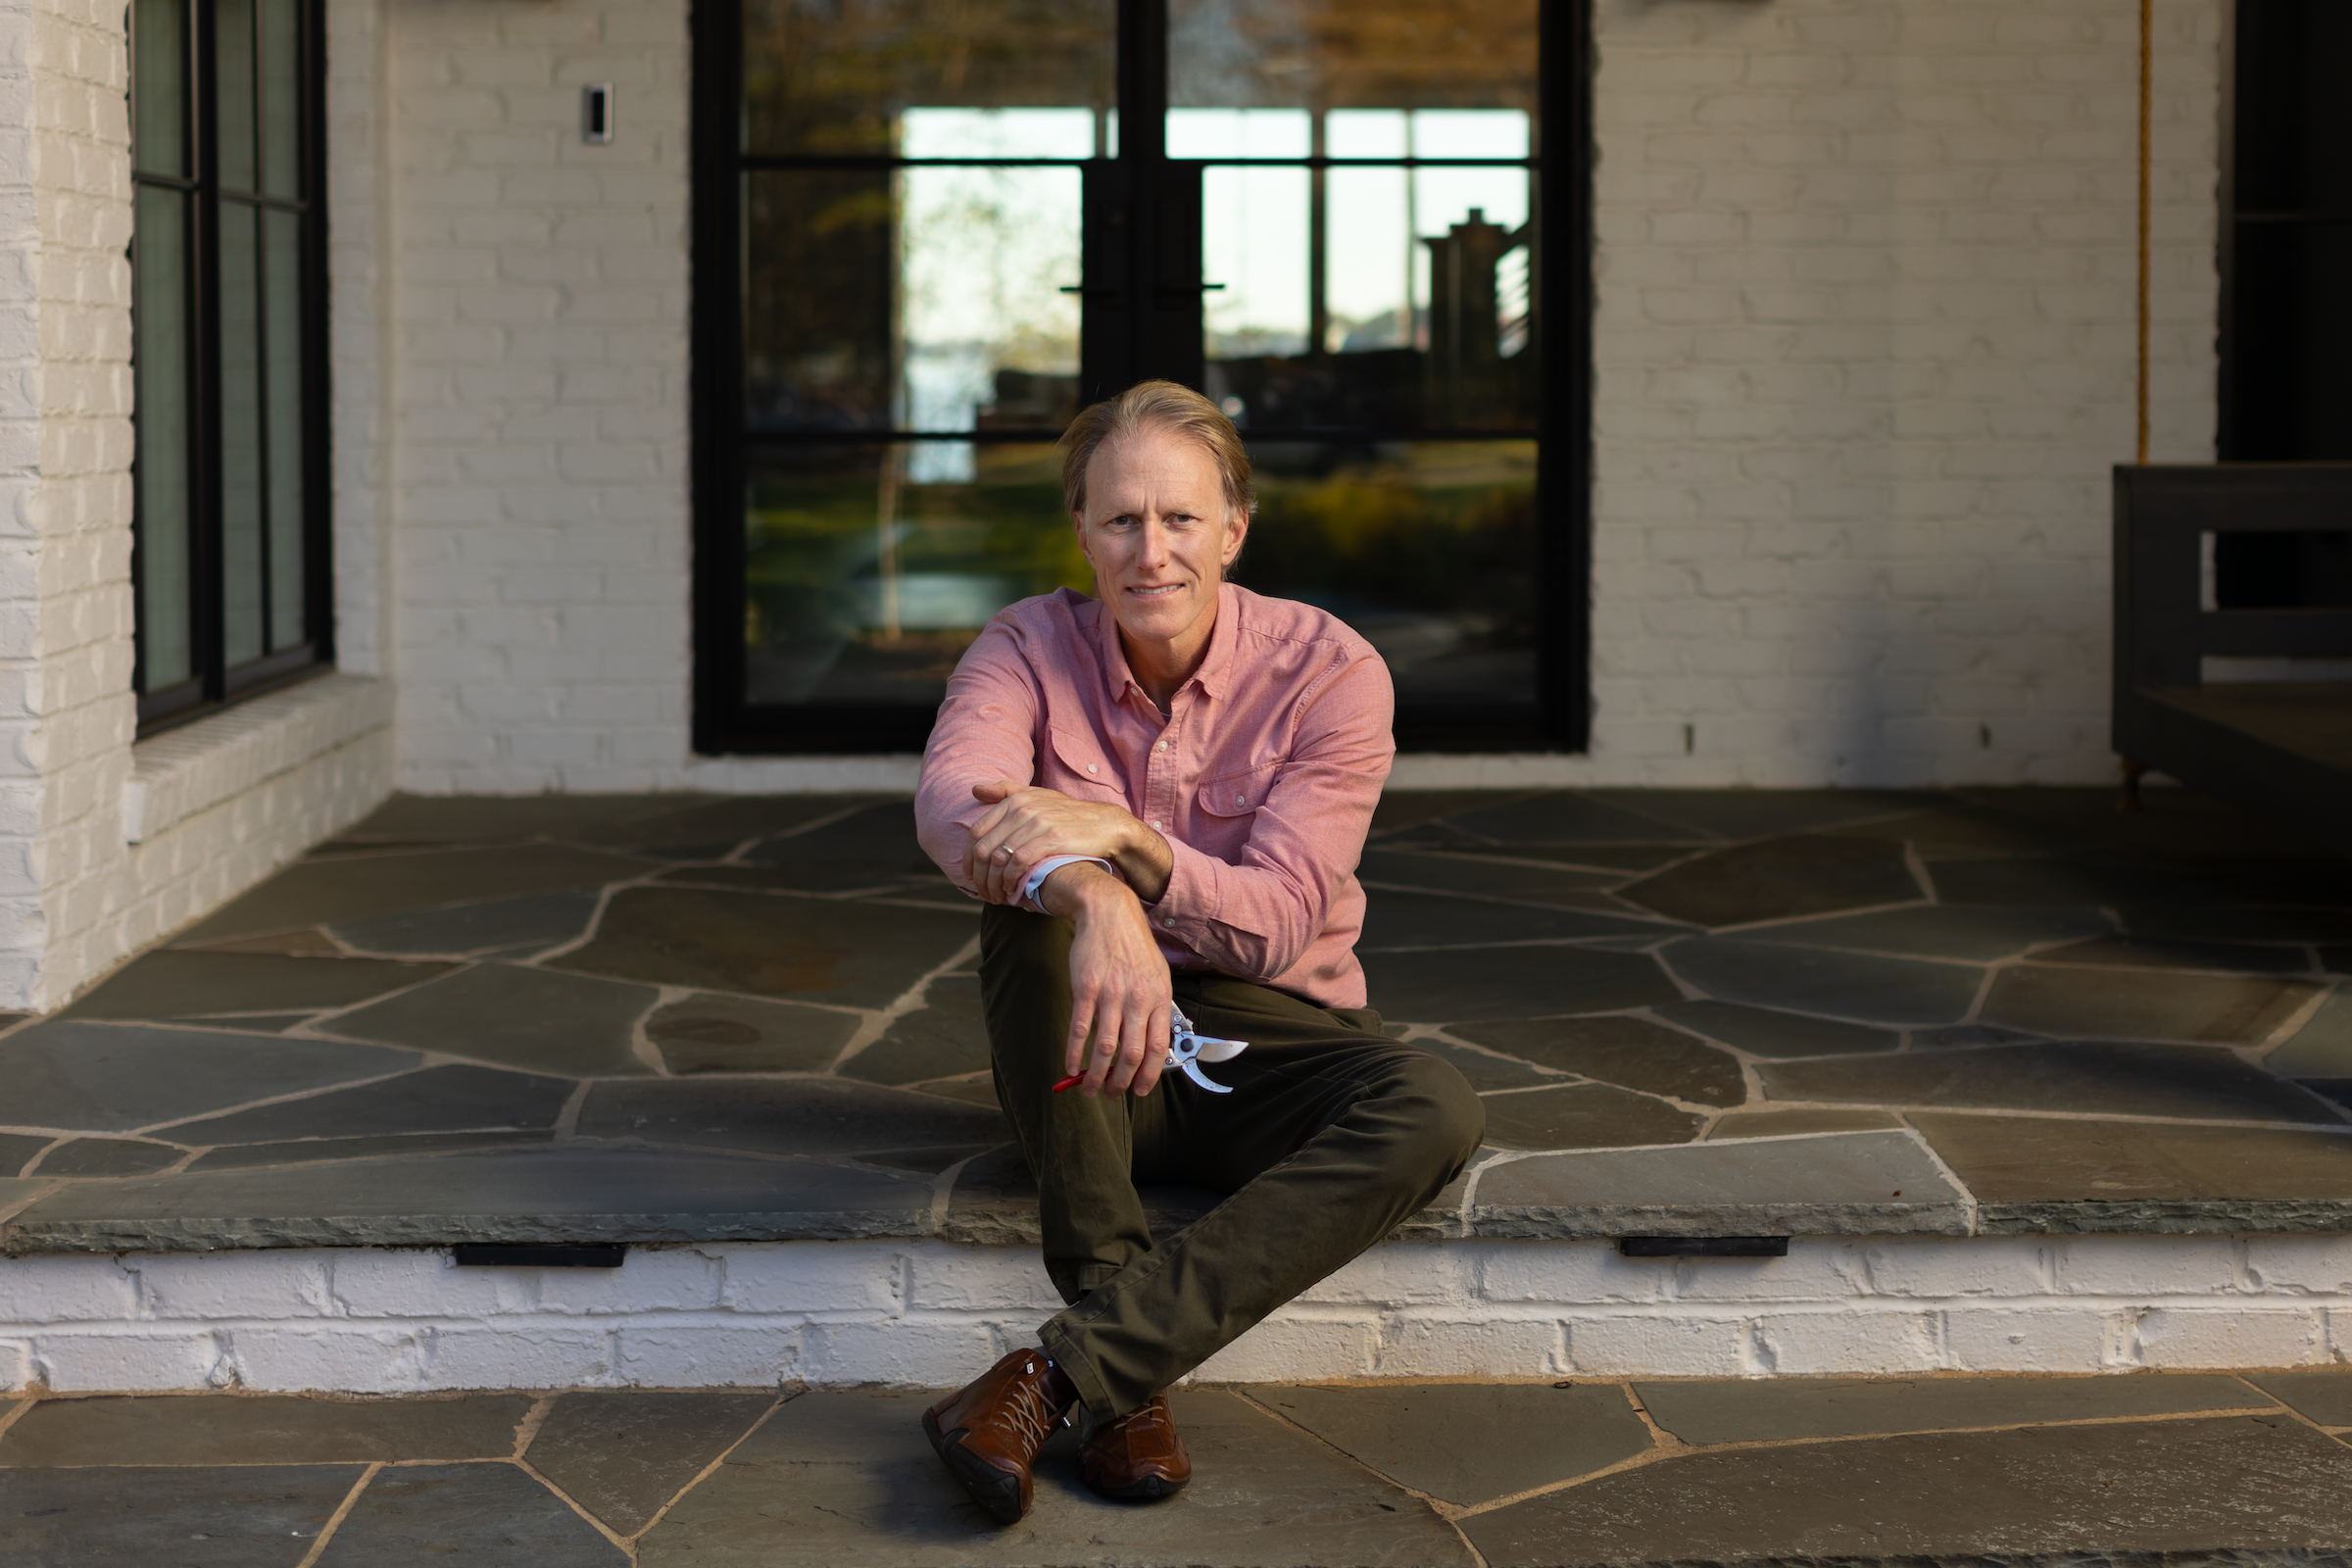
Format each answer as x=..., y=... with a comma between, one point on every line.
x=1241, y=792
x=1079, y=768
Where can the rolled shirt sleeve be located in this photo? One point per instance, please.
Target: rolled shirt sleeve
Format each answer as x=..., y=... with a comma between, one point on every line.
x=983, y=733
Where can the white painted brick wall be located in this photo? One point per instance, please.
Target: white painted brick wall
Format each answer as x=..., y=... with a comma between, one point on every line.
x=929, y=1313
x=1865, y=351
x=1866, y=282
x=535, y=293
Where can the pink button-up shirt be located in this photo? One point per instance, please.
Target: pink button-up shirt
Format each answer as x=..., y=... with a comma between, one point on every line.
x=1262, y=777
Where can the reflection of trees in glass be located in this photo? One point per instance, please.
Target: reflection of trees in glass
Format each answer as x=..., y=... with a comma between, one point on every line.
x=832, y=76
x=1385, y=54
x=817, y=299
x=810, y=542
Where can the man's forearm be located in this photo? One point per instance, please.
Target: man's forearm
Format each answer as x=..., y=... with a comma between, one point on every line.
x=1081, y=890
x=1147, y=862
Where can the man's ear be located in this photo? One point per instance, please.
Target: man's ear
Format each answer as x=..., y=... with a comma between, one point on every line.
x=1237, y=533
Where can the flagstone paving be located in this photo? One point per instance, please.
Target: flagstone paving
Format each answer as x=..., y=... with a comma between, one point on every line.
x=683, y=1017
x=1959, y=1470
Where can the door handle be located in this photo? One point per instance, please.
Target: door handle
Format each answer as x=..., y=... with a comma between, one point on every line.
x=1173, y=288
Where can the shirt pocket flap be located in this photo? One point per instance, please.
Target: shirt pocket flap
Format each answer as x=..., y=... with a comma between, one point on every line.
x=1239, y=794
x=1083, y=765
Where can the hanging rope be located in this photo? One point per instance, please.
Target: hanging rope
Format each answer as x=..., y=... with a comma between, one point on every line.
x=2147, y=84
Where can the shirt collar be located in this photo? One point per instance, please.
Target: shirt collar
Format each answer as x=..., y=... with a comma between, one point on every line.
x=1214, y=664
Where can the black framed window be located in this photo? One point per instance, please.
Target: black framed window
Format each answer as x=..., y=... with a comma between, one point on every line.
x=230, y=560
x=2287, y=234
x=925, y=235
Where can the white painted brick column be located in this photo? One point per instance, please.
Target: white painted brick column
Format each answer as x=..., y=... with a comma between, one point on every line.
x=66, y=713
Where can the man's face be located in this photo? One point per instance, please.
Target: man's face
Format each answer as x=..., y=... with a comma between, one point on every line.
x=1157, y=531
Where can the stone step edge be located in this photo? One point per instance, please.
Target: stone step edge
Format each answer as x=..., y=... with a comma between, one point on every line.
x=34, y=1234
x=926, y=1312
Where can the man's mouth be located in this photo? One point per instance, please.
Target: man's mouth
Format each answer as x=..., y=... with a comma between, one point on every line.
x=1155, y=590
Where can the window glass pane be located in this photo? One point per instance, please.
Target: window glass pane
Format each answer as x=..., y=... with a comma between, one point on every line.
x=837, y=75
x=1365, y=54
x=159, y=81
x=865, y=582
x=1429, y=299
x=1253, y=237
x=281, y=98
x=930, y=299
x=2292, y=134
x=232, y=91
x=241, y=484
x=1240, y=134
x=1426, y=548
x=928, y=132
x=282, y=308
x=1367, y=133
x=1368, y=277
x=819, y=305
x=161, y=353
x=2293, y=325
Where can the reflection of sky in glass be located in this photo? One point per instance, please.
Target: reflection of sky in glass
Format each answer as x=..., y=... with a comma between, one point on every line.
x=983, y=256
x=1240, y=134
x=997, y=133
x=1253, y=240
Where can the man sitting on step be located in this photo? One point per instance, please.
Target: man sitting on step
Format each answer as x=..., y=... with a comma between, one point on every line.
x=1161, y=793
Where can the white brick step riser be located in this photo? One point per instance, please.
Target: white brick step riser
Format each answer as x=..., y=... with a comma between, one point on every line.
x=930, y=1313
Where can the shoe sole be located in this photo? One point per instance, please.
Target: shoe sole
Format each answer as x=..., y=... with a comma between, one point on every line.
x=992, y=1489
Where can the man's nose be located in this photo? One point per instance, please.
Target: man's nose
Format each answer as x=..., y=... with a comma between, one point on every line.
x=1155, y=540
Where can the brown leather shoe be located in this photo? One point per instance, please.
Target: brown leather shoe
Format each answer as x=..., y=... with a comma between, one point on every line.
x=989, y=1432
x=1137, y=1456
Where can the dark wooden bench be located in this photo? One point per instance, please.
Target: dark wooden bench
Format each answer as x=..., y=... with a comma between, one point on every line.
x=2280, y=748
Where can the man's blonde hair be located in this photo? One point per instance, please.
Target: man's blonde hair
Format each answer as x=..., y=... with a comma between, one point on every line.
x=1162, y=406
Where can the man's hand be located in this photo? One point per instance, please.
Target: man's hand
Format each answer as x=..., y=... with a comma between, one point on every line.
x=1028, y=823
x=1119, y=986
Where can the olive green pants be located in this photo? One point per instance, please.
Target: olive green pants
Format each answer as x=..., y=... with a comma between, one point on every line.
x=1333, y=1135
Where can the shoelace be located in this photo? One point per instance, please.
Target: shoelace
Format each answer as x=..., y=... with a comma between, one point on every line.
x=1030, y=1412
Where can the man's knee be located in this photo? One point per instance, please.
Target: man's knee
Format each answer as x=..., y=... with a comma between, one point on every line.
x=1448, y=1118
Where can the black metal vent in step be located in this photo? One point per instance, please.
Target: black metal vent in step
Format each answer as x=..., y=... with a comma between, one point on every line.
x=1702, y=1246
x=524, y=1254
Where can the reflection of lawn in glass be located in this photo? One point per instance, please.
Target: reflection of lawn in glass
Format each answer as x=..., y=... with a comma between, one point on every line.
x=1428, y=549
x=816, y=595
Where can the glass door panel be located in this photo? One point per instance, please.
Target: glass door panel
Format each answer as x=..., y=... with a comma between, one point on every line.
x=1325, y=216
x=870, y=567
x=912, y=187
x=1367, y=226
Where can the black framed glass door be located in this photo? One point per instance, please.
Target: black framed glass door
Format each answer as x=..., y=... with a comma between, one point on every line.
x=925, y=235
